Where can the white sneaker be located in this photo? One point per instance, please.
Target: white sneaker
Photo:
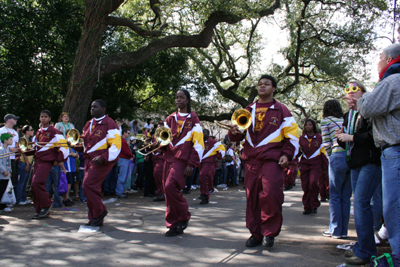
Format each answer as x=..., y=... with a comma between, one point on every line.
x=193, y=187
x=383, y=233
x=132, y=191
x=7, y=209
x=22, y=203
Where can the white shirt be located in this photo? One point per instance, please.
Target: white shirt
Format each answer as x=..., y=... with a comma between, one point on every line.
x=15, y=137
x=230, y=153
x=147, y=126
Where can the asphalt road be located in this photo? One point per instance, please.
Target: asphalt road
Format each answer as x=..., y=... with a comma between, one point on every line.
x=133, y=235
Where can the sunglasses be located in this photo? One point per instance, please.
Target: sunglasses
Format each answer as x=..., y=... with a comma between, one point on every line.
x=353, y=88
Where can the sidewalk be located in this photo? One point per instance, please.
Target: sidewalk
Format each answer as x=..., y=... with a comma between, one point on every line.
x=133, y=235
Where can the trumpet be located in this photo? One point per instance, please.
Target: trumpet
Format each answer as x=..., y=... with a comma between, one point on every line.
x=23, y=145
x=241, y=118
x=163, y=137
x=73, y=137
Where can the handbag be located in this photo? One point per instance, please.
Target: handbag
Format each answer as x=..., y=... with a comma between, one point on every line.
x=63, y=185
x=8, y=196
x=386, y=260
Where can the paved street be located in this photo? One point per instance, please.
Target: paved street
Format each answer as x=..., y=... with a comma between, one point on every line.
x=133, y=234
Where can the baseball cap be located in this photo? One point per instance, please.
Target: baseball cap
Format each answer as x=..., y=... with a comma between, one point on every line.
x=10, y=116
x=132, y=138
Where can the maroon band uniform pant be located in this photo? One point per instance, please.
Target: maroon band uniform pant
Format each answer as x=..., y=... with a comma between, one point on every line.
x=290, y=174
x=310, y=176
x=264, y=192
x=41, y=198
x=158, y=175
x=174, y=182
x=206, y=177
x=94, y=177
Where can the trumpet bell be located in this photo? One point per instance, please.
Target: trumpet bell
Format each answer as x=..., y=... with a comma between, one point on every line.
x=163, y=135
x=73, y=136
x=241, y=118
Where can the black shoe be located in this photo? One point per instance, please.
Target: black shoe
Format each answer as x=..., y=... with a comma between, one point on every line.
x=45, y=212
x=36, y=216
x=186, y=191
x=149, y=195
x=307, y=211
x=90, y=224
x=171, y=232
x=99, y=220
x=204, y=201
x=182, y=225
x=268, y=242
x=122, y=196
x=106, y=194
x=201, y=197
x=323, y=199
x=252, y=242
x=314, y=211
x=68, y=202
x=158, y=199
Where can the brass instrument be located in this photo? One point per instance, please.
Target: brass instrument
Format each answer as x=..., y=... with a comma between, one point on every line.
x=142, y=137
x=241, y=118
x=23, y=145
x=163, y=136
x=73, y=137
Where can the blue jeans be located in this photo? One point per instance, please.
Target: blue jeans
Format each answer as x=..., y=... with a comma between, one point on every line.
x=376, y=205
x=80, y=176
x=364, y=181
x=123, y=166
x=110, y=182
x=133, y=174
x=52, y=182
x=340, y=194
x=22, y=181
x=391, y=194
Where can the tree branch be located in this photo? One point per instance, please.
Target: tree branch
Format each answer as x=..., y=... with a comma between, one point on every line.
x=115, y=62
x=115, y=21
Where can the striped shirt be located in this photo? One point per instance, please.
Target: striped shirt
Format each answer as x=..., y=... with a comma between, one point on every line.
x=329, y=140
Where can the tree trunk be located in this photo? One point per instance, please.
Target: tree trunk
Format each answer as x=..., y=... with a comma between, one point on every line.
x=85, y=71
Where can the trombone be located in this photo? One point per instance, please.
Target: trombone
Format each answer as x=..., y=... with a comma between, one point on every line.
x=163, y=137
x=23, y=145
x=72, y=139
x=241, y=118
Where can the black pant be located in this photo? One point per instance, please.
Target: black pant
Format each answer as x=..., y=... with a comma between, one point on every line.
x=3, y=187
x=139, y=180
x=149, y=184
x=229, y=177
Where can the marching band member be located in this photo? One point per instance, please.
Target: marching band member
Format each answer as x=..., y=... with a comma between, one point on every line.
x=182, y=155
x=102, y=145
x=213, y=151
x=158, y=166
x=47, y=154
x=271, y=141
x=314, y=164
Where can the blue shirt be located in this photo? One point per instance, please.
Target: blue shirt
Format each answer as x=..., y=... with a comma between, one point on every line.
x=70, y=163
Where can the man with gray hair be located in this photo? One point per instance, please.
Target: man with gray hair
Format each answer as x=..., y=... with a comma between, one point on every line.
x=382, y=106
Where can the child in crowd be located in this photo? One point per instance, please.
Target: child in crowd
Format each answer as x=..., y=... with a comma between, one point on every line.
x=71, y=175
x=5, y=168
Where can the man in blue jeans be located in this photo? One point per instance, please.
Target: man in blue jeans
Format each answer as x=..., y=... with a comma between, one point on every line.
x=125, y=157
x=52, y=183
x=382, y=106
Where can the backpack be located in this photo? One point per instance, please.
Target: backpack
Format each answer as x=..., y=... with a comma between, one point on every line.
x=386, y=260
